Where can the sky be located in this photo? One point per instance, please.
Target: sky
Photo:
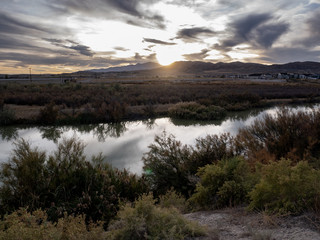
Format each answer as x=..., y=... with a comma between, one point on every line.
x=55, y=36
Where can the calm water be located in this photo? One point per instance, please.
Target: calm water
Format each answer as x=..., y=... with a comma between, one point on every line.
x=123, y=144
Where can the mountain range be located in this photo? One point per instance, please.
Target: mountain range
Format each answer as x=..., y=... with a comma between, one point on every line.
x=128, y=68
x=194, y=67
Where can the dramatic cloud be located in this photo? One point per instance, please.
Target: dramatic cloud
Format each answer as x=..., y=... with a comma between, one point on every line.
x=11, y=25
x=192, y=34
x=156, y=41
x=68, y=35
x=70, y=44
x=313, y=23
x=266, y=35
x=134, y=12
x=243, y=27
x=197, y=56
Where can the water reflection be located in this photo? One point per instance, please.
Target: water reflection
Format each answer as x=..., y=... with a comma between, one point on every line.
x=51, y=133
x=103, y=131
x=8, y=133
x=123, y=144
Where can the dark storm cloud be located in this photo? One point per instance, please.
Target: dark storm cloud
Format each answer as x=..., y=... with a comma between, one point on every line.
x=156, y=41
x=197, y=56
x=12, y=25
x=84, y=50
x=9, y=41
x=192, y=34
x=243, y=27
x=266, y=35
x=134, y=12
x=259, y=30
x=70, y=44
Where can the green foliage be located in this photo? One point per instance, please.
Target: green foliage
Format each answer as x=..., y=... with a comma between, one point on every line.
x=222, y=184
x=23, y=178
x=65, y=182
x=165, y=166
x=196, y=111
x=173, y=199
x=147, y=221
x=170, y=164
x=22, y=225
x=284, y=188
x=211, y=149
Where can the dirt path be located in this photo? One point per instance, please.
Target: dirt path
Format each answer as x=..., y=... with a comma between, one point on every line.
x=239, y=224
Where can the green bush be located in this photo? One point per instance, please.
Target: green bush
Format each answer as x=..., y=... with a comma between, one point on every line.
x=147, y=221
x=22, y=225
x=284, y=188
x=65, y=182
x=173, y=199
x=223, y=184
x=196, y=111
x=211, y=149
x=170, y=164
x=165, y=166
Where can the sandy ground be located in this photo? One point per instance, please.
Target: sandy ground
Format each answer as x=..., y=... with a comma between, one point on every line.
x=237, y=223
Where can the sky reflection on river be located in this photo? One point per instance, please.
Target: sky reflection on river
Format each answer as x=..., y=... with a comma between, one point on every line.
x=123, y=144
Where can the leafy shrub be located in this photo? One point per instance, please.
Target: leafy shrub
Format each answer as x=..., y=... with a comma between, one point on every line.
x=170, y=164
x=211, y=149
x=147, y=221
x=196, y=111
x=284, y=188
x=173, y=199
x=65, y=182
x=22, y=225
x=165, y=166
x=222, y=184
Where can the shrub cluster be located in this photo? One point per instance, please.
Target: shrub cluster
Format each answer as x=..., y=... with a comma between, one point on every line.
x=223, y=184
x=196, y=111
x=23, y=225
x=65, y=182
x=146, y=221
x=286, y=188
x=227, y=171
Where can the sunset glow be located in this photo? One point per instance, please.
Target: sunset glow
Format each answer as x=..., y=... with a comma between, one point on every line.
x=66, y=36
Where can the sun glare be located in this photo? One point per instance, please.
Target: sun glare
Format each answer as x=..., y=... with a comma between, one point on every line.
x=165, y=61
x=166, y=57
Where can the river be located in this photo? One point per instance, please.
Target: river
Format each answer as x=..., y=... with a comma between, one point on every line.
x=124, y=144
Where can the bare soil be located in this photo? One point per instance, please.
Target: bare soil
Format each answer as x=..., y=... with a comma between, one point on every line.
x=237, y=223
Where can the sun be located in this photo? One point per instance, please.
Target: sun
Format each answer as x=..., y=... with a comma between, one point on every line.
x=168, y=56
x=165, y=61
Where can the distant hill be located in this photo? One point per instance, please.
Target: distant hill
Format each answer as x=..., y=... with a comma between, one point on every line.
x=197, y=67
x=241, y=68
x=128, y=68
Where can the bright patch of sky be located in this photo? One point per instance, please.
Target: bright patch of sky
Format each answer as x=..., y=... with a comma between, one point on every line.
x=66, y=35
